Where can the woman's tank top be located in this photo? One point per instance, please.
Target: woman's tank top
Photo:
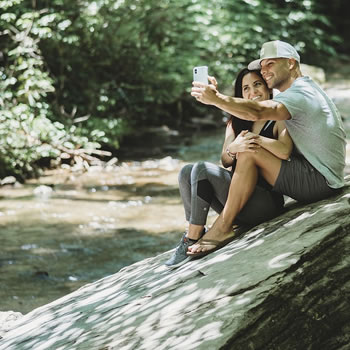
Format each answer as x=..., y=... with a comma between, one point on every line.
x=267, y=129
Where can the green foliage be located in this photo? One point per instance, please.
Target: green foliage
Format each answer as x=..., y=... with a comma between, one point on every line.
x=123, y=59
x=23, y=84
x=27, y=134
x=84, y=74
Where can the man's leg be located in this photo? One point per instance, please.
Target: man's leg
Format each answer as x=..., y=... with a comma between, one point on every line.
x=243, y=183
x=298, y=179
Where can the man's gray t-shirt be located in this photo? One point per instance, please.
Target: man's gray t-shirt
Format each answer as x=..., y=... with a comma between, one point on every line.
x=316, y=128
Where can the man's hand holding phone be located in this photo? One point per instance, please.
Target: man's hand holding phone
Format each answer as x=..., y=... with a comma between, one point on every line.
x=202, y=90
x=213, y=81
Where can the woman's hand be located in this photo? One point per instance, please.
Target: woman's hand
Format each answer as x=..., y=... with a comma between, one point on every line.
x=246, y=141
x=256, y=137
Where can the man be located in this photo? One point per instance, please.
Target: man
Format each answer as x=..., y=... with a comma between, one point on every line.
x=313, y=122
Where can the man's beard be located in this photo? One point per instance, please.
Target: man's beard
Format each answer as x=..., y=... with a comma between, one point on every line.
x=276, y=83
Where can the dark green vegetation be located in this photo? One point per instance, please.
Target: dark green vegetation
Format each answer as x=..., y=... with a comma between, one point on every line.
x=79, y=76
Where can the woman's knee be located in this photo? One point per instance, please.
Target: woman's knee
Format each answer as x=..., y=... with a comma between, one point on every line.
x=185, y=173
x=201, y=170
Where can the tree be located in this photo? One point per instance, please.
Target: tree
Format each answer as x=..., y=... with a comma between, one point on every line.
x=79, y=76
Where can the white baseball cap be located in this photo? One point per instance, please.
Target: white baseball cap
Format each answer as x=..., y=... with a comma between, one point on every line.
x=274, y=49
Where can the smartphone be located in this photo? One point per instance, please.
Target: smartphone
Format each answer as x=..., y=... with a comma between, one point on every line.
x=200, y=74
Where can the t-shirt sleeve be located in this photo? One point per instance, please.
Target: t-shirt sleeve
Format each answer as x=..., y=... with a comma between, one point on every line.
x=293, y=100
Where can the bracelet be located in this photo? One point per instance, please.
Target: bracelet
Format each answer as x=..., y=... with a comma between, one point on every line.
x=230, y=154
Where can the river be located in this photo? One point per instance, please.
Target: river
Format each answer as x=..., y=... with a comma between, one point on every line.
x=66, y=229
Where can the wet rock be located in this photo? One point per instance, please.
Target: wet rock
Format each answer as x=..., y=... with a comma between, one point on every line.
x=8, y=180
x=43, y=192
x=283, y=285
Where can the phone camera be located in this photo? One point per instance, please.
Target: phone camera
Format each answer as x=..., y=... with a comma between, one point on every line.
x=195, y=71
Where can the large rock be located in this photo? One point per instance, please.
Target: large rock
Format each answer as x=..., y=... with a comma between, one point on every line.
x=316, y=73
x=7, y=321
x=341, y=97
x=283, y=285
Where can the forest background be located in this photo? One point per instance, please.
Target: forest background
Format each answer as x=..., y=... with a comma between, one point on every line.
x=78, y=78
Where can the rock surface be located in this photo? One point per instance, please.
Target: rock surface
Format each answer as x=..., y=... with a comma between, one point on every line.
x=7, y=320
x=283, y=285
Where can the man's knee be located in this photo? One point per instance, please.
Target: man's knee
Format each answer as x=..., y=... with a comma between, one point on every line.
x=267, y=164
x=245, y=158
x=261, y=157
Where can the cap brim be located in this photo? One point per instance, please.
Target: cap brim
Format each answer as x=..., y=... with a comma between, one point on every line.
x=255, y=65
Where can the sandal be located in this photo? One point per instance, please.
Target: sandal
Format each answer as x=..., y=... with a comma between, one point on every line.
x=210, y=242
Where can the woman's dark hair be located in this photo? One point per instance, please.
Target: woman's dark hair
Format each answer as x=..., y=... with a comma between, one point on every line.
x=239, y=124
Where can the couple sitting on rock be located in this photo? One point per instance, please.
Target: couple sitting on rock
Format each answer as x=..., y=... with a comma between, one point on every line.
x=258, y=149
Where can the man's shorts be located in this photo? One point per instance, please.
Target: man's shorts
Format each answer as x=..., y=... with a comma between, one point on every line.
x=299, y=180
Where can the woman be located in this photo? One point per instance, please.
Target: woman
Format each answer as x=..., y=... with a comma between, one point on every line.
x=204, y=185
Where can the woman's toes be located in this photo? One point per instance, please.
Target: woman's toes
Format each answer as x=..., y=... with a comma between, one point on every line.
x=190, y=249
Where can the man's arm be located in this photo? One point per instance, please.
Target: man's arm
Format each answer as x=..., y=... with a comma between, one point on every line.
x=239, y=107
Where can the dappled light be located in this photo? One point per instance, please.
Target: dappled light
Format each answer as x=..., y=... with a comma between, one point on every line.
x=243, y=298
x=148, y=306
x=300, y=218
x=281, y=260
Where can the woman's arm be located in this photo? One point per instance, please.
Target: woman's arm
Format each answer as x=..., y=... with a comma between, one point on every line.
x=244, y=142
x=282, y=146
x=226, y=160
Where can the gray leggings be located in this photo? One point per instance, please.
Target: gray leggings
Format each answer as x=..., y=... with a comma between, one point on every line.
x=204, y=185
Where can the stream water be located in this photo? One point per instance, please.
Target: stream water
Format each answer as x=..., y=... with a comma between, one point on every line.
x=67, y=229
